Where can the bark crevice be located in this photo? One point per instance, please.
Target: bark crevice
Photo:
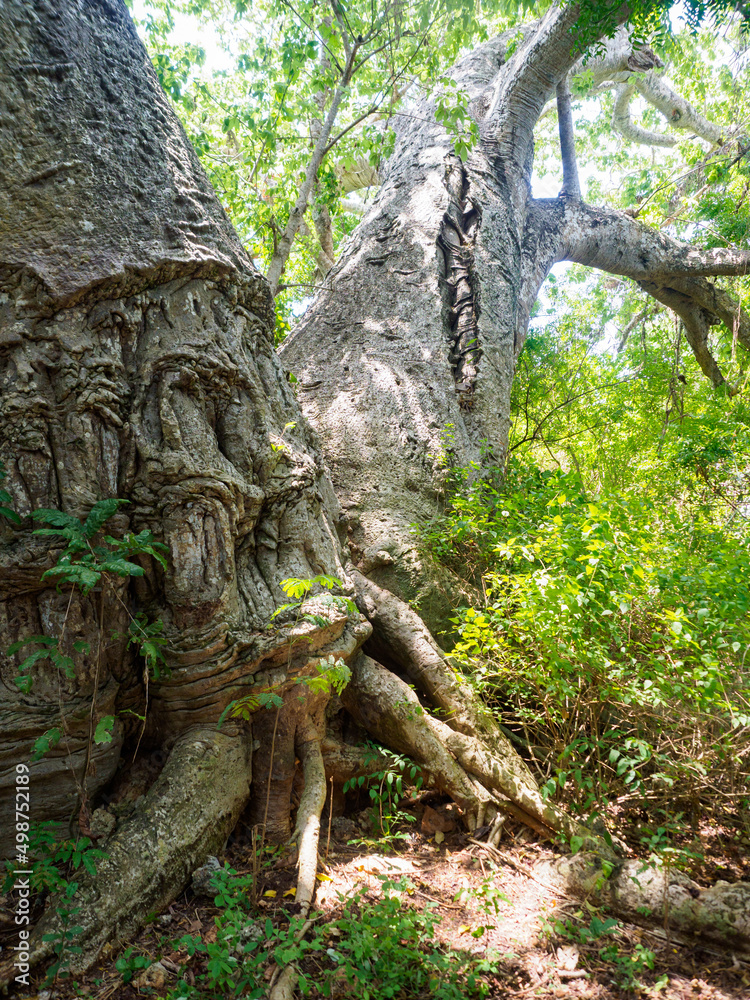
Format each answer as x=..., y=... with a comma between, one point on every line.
x=459, y=284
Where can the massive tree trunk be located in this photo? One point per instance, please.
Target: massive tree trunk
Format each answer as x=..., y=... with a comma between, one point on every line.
x=137, y=361
x=405, y=361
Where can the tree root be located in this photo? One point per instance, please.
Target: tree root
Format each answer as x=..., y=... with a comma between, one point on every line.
x=187, y=815
x=642, y=893
x=389, y=709
x=307, y=833
x=401, y=637
x=308, y=815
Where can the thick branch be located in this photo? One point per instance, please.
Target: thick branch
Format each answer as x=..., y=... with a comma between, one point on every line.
x=626, y=126
x=678, y=112
x=520, y=95
x=671, y=272
x=614, y=242
x=634, y=69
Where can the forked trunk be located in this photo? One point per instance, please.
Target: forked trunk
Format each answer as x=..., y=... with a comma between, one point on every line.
x=137, y=361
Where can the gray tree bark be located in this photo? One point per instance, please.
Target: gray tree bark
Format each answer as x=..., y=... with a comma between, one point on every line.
x=137, y=361
x=406, y=359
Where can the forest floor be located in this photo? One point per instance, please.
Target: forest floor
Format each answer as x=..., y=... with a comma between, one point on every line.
x=522, y=935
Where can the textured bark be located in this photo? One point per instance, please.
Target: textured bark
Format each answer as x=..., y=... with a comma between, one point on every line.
x=643, y=893
x=407, y=356
x=381, y=375
x=137, y=360
x=186, y=816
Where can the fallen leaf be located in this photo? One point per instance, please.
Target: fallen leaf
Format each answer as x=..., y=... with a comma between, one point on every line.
x=270, y=893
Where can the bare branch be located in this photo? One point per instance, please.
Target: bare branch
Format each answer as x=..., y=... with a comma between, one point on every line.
x=671, y=272
x=678, y=112
x=626, y=126
x=615, y=242
x=640, y=317
x=633, y=68
x=571, y=184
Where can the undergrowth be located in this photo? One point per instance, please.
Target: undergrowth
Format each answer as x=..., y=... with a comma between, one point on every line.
x=612, y=636
x=374, y=950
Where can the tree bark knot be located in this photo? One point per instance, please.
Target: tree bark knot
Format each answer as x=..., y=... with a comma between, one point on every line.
x=456, y=239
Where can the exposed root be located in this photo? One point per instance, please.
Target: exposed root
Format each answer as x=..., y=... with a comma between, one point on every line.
x=284, y=980
x=493, y=773
x=187, y=815
x=283, y=988
x=389, y=709
x=344, y=762
x=308, y=816
x=400, y=637
x=640, y=893
x=307, y=835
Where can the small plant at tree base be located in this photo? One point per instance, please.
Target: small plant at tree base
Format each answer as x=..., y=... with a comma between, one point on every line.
x=53, y=861
x=386, y=790
x=129, y=965
x=488, y=898
x=332, y=674
x=63, y=940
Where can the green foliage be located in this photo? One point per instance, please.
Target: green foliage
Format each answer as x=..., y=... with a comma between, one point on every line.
x=332, y=675
x=612, y=551
x=604, y=938
x=452, y=111
x=487, y=898
x=386, y=790
x=52, y=863
x=149, y=640
x=47, y=741
x=63, y=938
x=297, y=588
x=83, y=563
x=378, y=949
x=649, y=19
x=50, y=650
x=385, y=950
x=130, y=965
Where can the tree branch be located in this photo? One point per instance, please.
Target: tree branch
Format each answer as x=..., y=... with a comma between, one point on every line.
x=571, y=185
x=614, y=242
x=627, y=128
x=671, y=272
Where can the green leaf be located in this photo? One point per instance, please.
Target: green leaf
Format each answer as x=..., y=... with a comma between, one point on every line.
x=99, y=514
x=103, y=732
x=46, y=742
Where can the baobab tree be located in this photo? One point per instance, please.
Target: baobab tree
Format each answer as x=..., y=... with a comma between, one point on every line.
x=138, y=363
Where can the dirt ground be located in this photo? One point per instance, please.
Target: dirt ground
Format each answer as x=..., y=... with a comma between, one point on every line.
x=490, y=901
